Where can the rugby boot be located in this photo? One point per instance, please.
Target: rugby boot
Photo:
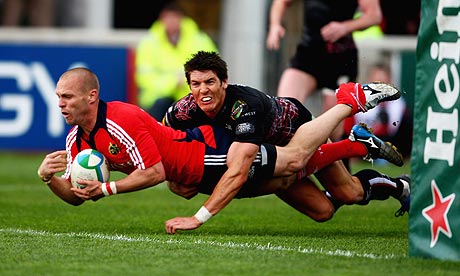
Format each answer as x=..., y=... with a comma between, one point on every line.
x=363, y=97
x=376, y=148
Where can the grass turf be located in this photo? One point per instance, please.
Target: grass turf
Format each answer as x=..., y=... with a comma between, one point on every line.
x=124, y=234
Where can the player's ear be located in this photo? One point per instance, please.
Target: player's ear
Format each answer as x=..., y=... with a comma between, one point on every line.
x=225, y=84
x=93, y=95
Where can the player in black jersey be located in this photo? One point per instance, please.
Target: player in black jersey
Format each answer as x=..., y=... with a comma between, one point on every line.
x=254, y=117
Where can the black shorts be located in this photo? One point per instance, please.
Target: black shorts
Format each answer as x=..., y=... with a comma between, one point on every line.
x=304, y=115
x=290, y=115
x=327, y=68
x=215, y=166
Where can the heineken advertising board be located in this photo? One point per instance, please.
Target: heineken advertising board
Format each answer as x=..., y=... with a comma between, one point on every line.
x=434, y=221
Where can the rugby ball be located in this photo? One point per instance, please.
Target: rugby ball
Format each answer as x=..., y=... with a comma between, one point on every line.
x=89, y=164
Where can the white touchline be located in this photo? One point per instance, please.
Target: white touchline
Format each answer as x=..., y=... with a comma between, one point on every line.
x=254, y=246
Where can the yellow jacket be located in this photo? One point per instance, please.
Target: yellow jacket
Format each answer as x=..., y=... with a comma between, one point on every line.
x=159, y=64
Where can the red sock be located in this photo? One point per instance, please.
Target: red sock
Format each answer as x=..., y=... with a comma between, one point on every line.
x=329, y=153
x=351, y=94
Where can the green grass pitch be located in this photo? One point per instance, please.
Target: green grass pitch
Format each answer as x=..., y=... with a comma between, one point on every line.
x=124, y=234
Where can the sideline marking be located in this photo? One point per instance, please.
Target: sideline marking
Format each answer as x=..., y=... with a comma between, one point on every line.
x=254, y=246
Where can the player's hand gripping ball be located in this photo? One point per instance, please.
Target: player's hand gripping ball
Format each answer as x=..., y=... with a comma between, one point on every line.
x=89, y=164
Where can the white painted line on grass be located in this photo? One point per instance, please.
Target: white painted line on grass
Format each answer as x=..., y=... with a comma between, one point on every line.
x=253, y=246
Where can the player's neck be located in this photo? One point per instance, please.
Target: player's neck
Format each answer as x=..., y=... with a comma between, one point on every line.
x=89, y=124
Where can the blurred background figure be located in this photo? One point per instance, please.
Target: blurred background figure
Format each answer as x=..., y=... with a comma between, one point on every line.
x=326, y=54
x=160, y=57
x=33, y=13
x=389, y=121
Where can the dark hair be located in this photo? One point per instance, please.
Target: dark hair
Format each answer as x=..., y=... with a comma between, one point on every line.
x=204, y=61
x=172, y=6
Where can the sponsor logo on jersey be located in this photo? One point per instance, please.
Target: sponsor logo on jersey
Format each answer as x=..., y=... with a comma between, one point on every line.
x=237, y=109
x=244, y=128
x=251, y=113
x=114, y=149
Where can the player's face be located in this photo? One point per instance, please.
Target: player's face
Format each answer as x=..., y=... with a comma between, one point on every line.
x=72, y=102
x=208, y=91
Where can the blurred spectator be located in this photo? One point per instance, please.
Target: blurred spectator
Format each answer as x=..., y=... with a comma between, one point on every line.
x=390, y=121
x=326, y=54
x=34, y=13
x=71, y=13
x=160, y=57
x=373, y=32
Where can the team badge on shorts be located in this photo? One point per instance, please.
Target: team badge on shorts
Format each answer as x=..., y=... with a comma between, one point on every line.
x=114, y=149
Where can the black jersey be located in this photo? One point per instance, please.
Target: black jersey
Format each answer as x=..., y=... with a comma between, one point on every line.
x=251, y=115
x=329, y=63
x=318, y=13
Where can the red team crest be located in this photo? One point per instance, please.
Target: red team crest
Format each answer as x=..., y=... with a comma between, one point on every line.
x=114, y=149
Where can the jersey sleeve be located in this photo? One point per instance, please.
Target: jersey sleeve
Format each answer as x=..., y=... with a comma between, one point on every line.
x=182, y=114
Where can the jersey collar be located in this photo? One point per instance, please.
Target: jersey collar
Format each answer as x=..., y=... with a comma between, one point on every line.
x=101, y=123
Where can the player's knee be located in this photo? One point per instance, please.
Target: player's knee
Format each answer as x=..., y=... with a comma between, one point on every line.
x=324, y=211
x=325, y=215
x=296, y=164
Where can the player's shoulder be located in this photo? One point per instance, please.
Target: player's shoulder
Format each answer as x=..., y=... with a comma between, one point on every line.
x=184, y=106
x=184, y=113
x=124, y=113
x=249, y=96
x=187, y=99
x=118, y=107
x=245, y=91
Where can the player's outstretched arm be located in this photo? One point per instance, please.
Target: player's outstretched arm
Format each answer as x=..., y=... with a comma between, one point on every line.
x=239, y=160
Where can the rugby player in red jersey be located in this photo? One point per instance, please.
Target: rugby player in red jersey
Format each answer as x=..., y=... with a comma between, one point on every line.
x=150, y=153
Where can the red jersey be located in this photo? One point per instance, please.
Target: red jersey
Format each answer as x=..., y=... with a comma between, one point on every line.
x=131, y=139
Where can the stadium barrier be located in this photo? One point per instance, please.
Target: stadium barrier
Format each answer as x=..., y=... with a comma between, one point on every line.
x=32, y=59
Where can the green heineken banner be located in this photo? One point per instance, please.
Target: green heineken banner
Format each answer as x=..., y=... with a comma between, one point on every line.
x=434, y=222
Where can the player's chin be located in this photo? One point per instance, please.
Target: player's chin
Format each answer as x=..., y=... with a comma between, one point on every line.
x=208, y=108
x=69, y=121
x=206, y=105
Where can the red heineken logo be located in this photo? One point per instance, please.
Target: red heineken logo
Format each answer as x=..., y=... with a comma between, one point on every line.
x=436, y=214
